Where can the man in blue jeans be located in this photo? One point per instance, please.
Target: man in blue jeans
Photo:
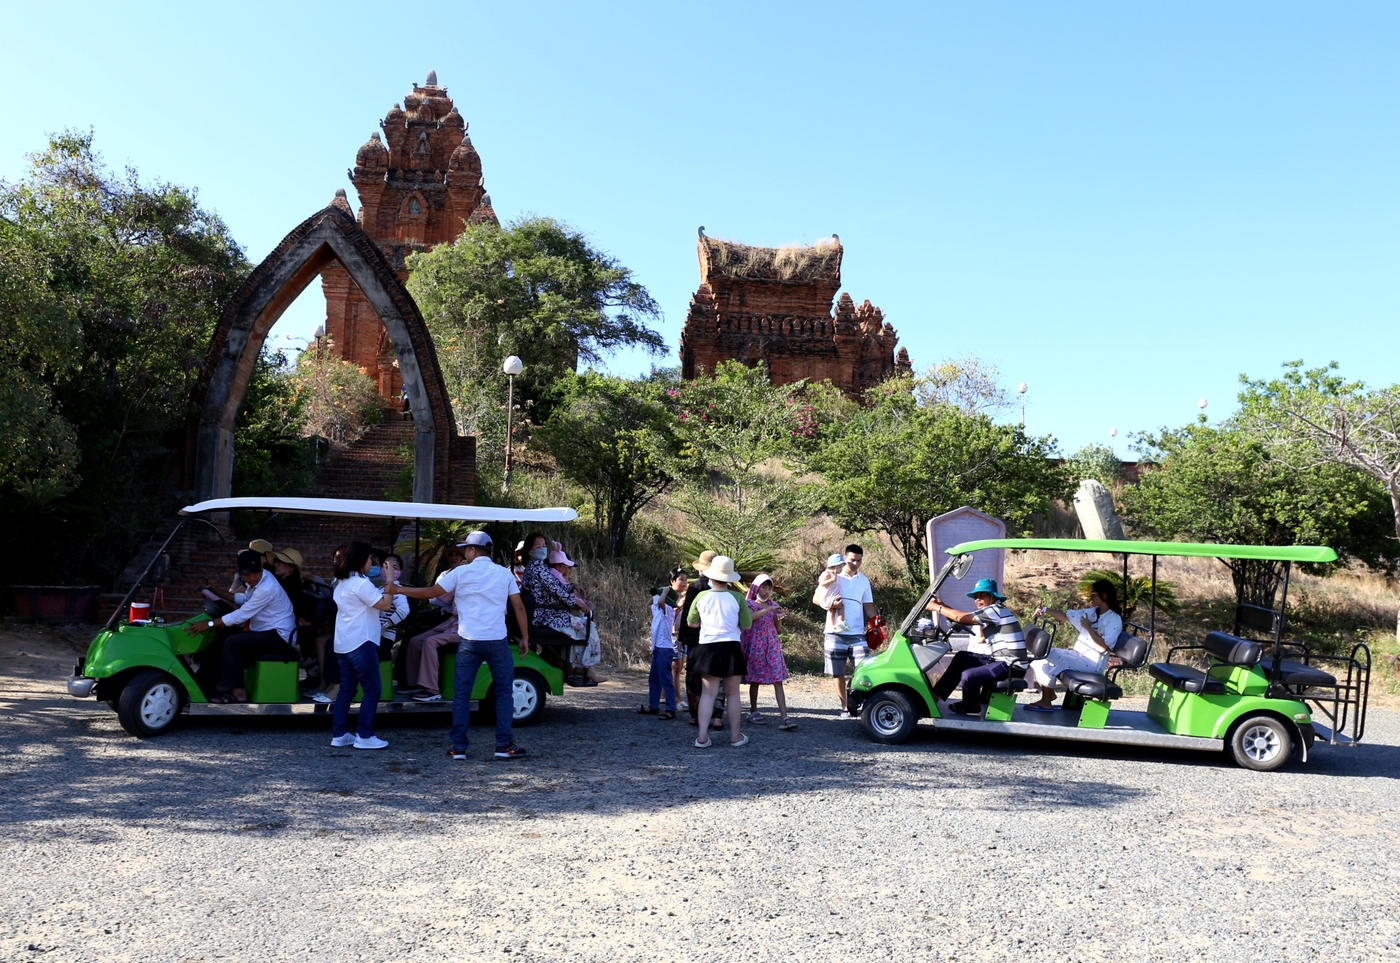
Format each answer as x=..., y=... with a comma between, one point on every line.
x=481, y=591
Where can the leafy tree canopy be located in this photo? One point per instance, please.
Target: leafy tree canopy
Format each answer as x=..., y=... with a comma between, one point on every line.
x=535, y=288
x=109, y=292
x=894, y=465
x=1221, y=484
x=615, y=438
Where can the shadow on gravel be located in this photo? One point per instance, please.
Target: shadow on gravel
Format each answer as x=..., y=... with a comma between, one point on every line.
x=67, y=768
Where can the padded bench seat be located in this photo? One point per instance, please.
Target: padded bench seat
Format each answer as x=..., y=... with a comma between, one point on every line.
x=1090, y=685
x=1185, y=678
x=1296, y=673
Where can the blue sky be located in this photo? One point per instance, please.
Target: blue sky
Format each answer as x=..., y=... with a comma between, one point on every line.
x=1123, y=205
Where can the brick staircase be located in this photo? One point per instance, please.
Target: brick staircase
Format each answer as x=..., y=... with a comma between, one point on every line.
x=203, y=555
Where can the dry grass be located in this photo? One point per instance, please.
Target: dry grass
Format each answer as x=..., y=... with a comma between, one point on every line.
x=793, y=262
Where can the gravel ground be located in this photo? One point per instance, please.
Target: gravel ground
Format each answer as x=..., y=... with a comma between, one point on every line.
x=251, y=839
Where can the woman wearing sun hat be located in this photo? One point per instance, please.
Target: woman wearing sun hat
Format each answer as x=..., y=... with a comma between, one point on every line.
x=721, y=613
x=977, y=672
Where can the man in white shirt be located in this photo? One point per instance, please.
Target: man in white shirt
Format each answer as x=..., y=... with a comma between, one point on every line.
x=271, y=621
x=481, y=591
x=858, y=604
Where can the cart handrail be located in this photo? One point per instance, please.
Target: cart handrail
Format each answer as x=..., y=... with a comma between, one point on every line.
x=362, y=507
x=1311, y=554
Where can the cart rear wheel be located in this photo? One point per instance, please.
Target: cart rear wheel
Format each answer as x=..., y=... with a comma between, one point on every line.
x=1261, y=743
x=150, y=704
x=888, y=716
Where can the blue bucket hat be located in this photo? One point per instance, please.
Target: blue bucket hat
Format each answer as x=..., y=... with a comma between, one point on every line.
x=988, y=585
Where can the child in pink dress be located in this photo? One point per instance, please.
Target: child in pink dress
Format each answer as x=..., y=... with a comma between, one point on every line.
x=763, y=651
x=827, y=597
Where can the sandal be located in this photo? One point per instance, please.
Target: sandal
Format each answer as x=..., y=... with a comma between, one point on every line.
x=757, y=719
x=666, y=716
x=647, y=711
x=785, y=726
x=703, y=745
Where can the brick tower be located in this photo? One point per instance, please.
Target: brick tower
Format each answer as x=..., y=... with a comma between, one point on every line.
x=415, y=193
x=775, y=305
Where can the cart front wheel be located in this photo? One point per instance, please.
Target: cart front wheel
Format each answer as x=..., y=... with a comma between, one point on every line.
x=1261, y=743
x=149, y=704
x=888, y=717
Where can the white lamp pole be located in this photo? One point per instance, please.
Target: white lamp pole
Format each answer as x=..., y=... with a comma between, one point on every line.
x=511, y=367
x=1021, y=390
x=1202, y=405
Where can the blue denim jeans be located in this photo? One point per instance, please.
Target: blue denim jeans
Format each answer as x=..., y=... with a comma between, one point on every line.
x=361, y=666
x=661, y=680
x=471, y=653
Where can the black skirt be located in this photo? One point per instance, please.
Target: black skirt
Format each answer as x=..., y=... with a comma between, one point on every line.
x=721, y=659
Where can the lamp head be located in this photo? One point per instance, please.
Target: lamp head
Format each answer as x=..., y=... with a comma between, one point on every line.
x=513, y=366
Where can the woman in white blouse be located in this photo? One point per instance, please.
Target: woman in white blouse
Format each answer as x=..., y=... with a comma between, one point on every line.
x=358, y=604
x=1099, y=626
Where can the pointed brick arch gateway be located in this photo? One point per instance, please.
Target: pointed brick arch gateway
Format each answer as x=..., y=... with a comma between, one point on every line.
x=444, y=463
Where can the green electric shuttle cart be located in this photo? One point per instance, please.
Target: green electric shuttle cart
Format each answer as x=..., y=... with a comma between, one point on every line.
x=149, y=672
x=1251, y=692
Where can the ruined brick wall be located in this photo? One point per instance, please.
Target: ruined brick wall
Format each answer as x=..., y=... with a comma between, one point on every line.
x=775, y=305
x=415, y=193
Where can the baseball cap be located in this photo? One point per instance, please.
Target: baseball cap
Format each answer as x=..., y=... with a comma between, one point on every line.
x=476, y=540
x=249, y=561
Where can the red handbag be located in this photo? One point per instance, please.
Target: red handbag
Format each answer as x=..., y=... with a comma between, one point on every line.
x=875, y=634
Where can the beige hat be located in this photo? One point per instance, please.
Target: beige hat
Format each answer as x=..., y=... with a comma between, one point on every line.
x=703, y=562
x=722, y=570
x=291, y=556
x=262, y=546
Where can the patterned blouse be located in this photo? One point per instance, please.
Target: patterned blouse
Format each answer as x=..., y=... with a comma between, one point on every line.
x=551, y=597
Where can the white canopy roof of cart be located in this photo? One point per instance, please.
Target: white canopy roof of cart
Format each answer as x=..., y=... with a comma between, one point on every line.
x=364, y=507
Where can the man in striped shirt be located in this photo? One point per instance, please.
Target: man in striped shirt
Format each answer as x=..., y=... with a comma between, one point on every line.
x=977, y=672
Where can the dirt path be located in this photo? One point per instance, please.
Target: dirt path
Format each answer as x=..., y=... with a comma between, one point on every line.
x=253, y=839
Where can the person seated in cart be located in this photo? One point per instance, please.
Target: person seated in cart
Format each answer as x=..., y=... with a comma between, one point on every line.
x=271, y=622
x=976, y=672
x=1099, y=626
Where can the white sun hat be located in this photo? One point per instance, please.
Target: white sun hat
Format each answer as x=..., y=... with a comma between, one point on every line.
x=722, y=570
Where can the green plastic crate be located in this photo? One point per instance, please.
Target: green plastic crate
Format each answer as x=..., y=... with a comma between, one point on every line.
x=271, y=682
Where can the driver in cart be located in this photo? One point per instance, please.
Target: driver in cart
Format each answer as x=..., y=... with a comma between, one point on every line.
x=976, y=672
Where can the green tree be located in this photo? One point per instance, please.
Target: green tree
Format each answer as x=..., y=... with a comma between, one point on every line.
x=1097, y=462
x=892, y=466
x=615, y=438
x=1311, y=418
x=272, y=455
x=741, y=445
x=1205, y=483
x=334, y=398
x=110, y=290
x=537, y=289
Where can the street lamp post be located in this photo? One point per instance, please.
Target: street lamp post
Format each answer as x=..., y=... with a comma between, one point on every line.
x=1021, y=390
x=1112, y=434
x=512, y=367
x=1202, y=405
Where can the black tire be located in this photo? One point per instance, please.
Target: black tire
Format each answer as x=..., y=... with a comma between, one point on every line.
x=150, y=704
x=888, y=716
x=530, y=693
x=1262, y=743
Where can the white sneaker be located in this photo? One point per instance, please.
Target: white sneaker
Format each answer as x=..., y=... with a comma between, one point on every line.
x=373, y=742
x=319, y=696
x=845, y=715
x=340, y=742
x=683, y=705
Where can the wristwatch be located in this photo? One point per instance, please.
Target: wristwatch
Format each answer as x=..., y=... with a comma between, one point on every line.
x=210, y=625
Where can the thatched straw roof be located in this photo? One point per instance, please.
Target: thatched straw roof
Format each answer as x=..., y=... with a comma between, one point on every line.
x=794, y=262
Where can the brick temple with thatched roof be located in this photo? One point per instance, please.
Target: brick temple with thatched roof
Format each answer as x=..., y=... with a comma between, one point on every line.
x=774, y=305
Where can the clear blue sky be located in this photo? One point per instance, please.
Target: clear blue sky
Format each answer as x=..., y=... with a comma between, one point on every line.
x=1124, y=205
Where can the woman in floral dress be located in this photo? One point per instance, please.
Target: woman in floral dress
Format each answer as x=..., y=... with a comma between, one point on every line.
x=764, y=651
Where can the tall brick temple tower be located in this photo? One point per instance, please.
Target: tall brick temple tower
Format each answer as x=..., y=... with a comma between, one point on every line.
x=775, y=305
x=415, y=193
